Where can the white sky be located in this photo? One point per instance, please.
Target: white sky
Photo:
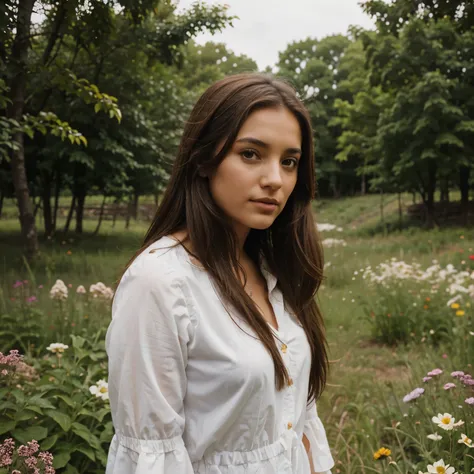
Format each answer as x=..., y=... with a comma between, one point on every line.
x=266, y=27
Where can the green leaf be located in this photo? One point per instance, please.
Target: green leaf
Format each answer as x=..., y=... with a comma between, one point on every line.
x=66, y=400
x=39, y=402
x=3, y=392
x=49, y=442
x=33, y=432
x=61, y=459
x=63, y=420
x=97, y=107
x=70, y=469
x=6, y=426
x=24, y=415
x=19, y=395
x=87, y=451
x=85, y=433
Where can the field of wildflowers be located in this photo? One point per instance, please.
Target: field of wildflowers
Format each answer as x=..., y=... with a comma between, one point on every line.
x=399, y=314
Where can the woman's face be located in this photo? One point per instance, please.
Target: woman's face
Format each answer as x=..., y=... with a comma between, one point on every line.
x=261, y=165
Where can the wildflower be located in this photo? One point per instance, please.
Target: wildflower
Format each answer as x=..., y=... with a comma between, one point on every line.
x=434, y=437
x=470, y=401
x=6, y=452
x=81, y=290
x=425, y=379
x=435, y=372
x=471, y=257
x=334, y=243
x=99, y=290
x=457, y=373
x=100, y=390
x=382, y=453
x=440, y=468
x=57, y=347
x=30, y=450
x=32, y=299
x=69, y=252
x=460, y=312
x=17, y=284
x=413, y=395
x=59, y=291
x=12, y=359
x=455, y=306
x=467, y=441
x=449, y=385
x=446, y=421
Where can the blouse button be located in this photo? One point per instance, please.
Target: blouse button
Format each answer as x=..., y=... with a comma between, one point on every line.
x=290, y=425
x=284, y=347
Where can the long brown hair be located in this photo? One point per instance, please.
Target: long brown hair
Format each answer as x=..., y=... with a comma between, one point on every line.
x=291, y=246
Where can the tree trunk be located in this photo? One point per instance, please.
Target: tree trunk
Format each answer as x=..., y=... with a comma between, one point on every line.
x=81, y=199
x=46, y=198
x=444, y=188
x=430, y=195
x=464, y=172
x=2, y=196
x=96, y=231
x=136, y=198
x=70, y=213
x=400, y=213
x=19, y=58
x=363, y=185
x=56, y=196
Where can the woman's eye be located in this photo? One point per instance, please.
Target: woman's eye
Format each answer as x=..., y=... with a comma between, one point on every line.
x=293, y=162
x=248, y=154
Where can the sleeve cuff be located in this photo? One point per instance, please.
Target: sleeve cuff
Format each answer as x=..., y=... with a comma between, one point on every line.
x=139, y=456
x=319, y=447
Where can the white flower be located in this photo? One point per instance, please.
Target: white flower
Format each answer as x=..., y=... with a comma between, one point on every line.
x=440, y=468
x=467, y=441
x=81, y=290
x=99, y=290
x=333, y=242
x=445, y=421
x=327, y=227
x=435, y=437
x=59, y=291
x=100, y=390
x=57, y=347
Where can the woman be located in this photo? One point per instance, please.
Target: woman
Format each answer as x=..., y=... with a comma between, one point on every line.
x=217, y=350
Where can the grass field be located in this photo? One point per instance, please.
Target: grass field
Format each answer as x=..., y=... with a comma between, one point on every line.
x=368, y=379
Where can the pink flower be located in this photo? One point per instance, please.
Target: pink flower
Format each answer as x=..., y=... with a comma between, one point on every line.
x=413, y=395
x=6, y=452
x=470, y=401
x=444, y=356
x=457, y=373
x=435, y=372
x=425, y=379
x=449, y=385
x=31, y=299
x=4, y=372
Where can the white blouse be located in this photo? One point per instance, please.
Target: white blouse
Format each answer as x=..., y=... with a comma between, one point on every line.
x=190, y=392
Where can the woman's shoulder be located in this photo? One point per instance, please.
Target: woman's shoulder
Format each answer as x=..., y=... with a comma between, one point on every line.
x=159, y=263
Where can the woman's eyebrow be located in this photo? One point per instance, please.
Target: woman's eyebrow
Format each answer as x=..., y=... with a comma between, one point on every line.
x=258, y=142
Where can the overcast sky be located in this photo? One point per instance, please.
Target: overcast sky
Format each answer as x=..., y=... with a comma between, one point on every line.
x=265, y=27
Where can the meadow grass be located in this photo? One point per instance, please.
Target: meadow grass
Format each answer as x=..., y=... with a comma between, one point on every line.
x=367, y=379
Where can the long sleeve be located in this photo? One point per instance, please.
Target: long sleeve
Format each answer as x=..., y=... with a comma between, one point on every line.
x=319, y=448
x=147, y=344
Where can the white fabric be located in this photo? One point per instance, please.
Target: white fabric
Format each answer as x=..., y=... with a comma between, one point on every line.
x=190, y=392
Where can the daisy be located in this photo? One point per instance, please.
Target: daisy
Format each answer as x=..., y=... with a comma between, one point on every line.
x=445, y=421
x=440, y=468
x=101, y=390
x=467, y=441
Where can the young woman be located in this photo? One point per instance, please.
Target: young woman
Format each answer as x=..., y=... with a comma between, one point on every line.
x=217, y=350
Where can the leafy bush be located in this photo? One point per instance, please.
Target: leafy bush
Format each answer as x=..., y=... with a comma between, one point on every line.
x=50, y=399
